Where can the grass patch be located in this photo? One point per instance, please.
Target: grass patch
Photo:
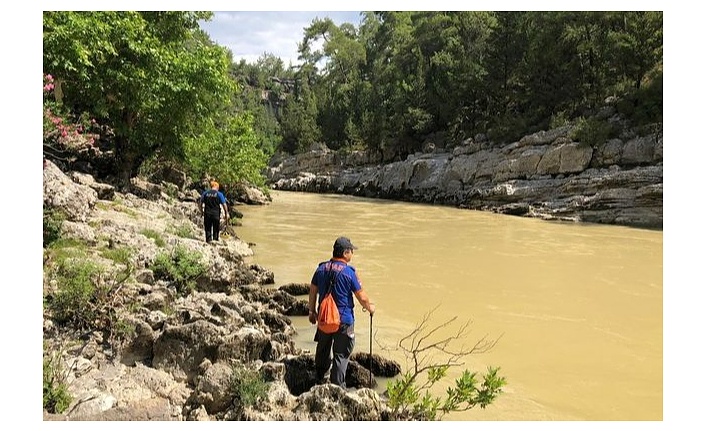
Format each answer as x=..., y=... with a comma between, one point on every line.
x=248, y=385
x=183, y=231
x=66, y=248
x=105, y=206
x=129, y=211
x=55, y=394
x=121, y=255
x=156, y=236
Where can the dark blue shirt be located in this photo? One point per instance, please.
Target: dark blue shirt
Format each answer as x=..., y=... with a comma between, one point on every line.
x=212, y=200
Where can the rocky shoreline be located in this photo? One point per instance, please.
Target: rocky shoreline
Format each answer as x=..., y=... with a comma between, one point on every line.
x=171, y=354
x=544, y=175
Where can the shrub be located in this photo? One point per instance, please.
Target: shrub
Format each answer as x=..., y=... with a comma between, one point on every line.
x=644, y=105
x=55, y=395
x=77, y=281
x=248, y=385
x=52, y=225
x=59, y=131
x=181, y=266
x=559, y=119
x=508, y=128
x=593, y=132
x=410, y=396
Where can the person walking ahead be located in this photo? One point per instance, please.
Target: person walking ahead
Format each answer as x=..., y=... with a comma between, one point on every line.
x=347, y=284
x=210, y=204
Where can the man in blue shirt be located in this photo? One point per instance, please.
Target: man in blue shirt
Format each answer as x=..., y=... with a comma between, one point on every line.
x=347, y=284
x=210, y=204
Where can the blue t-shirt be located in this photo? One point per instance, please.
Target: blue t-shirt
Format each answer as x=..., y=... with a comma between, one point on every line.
x=346, y=283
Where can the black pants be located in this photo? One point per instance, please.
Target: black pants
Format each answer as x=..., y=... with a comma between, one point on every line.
x=342, y=342
x=212, y=224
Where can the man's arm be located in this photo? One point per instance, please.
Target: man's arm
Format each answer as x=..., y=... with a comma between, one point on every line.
x=313, y=291
x=224, y=205
x=365, y=301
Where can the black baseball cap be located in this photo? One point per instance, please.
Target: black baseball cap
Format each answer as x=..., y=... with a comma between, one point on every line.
x=343, y=243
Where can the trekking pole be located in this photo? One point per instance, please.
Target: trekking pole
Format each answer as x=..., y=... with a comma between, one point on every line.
x=371, y=351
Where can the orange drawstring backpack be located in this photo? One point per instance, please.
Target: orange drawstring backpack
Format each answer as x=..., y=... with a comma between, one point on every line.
x=329, y=320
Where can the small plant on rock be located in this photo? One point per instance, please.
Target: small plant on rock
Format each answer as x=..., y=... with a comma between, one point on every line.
x=52, y=225
x=55, y=394
x=183, y=231
x=248, y=385
x=181, y=266
x=156, y=236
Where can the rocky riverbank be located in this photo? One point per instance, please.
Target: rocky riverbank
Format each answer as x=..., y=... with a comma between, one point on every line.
x=546, y=175
x=147, y=345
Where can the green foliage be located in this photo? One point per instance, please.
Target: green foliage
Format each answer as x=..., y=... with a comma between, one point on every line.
x=156, y=236
x=183, y=231
x=181, y=266
x=298, y=122
x=52, y=225
x=87, y=293
x=122, y=329
x=645, y=104
x=248, y=385
x=120, y=255
x=592, y=132
x=55, y=394
x=262, y=96
x=78, y=286
x=151, y=76
x=166, y=90
x=559, y=119
x=227, y=151
x=403, y=75
x=66, y=248
x=409, y=397
x=507, y=128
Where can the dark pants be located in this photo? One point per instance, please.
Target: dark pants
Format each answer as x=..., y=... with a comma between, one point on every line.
x=212, y=224
x=342, y=342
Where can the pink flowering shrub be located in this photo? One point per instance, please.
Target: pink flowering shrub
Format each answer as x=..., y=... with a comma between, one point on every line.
x=57, y=127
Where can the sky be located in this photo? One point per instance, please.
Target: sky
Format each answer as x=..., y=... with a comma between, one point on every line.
x=250, y=34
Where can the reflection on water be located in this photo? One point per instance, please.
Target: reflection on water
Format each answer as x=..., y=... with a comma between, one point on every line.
x=577, y=308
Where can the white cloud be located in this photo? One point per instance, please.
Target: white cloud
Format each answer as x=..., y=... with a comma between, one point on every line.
x=250, y=34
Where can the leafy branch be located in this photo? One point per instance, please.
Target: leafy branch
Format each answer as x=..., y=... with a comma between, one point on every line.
x=410, y=396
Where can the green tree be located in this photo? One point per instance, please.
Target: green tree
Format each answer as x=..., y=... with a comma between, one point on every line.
x=227, y=148
x=454, y=45
x=262, y=96
x=341, y=57
x=153, y=77
x=298, y=123
x=637, y=45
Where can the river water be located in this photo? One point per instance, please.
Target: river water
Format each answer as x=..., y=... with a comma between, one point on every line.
x=577, y=310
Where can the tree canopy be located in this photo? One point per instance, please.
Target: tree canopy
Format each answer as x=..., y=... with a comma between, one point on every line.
x=403, y=76
x=156, y=80
x=168, y=92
